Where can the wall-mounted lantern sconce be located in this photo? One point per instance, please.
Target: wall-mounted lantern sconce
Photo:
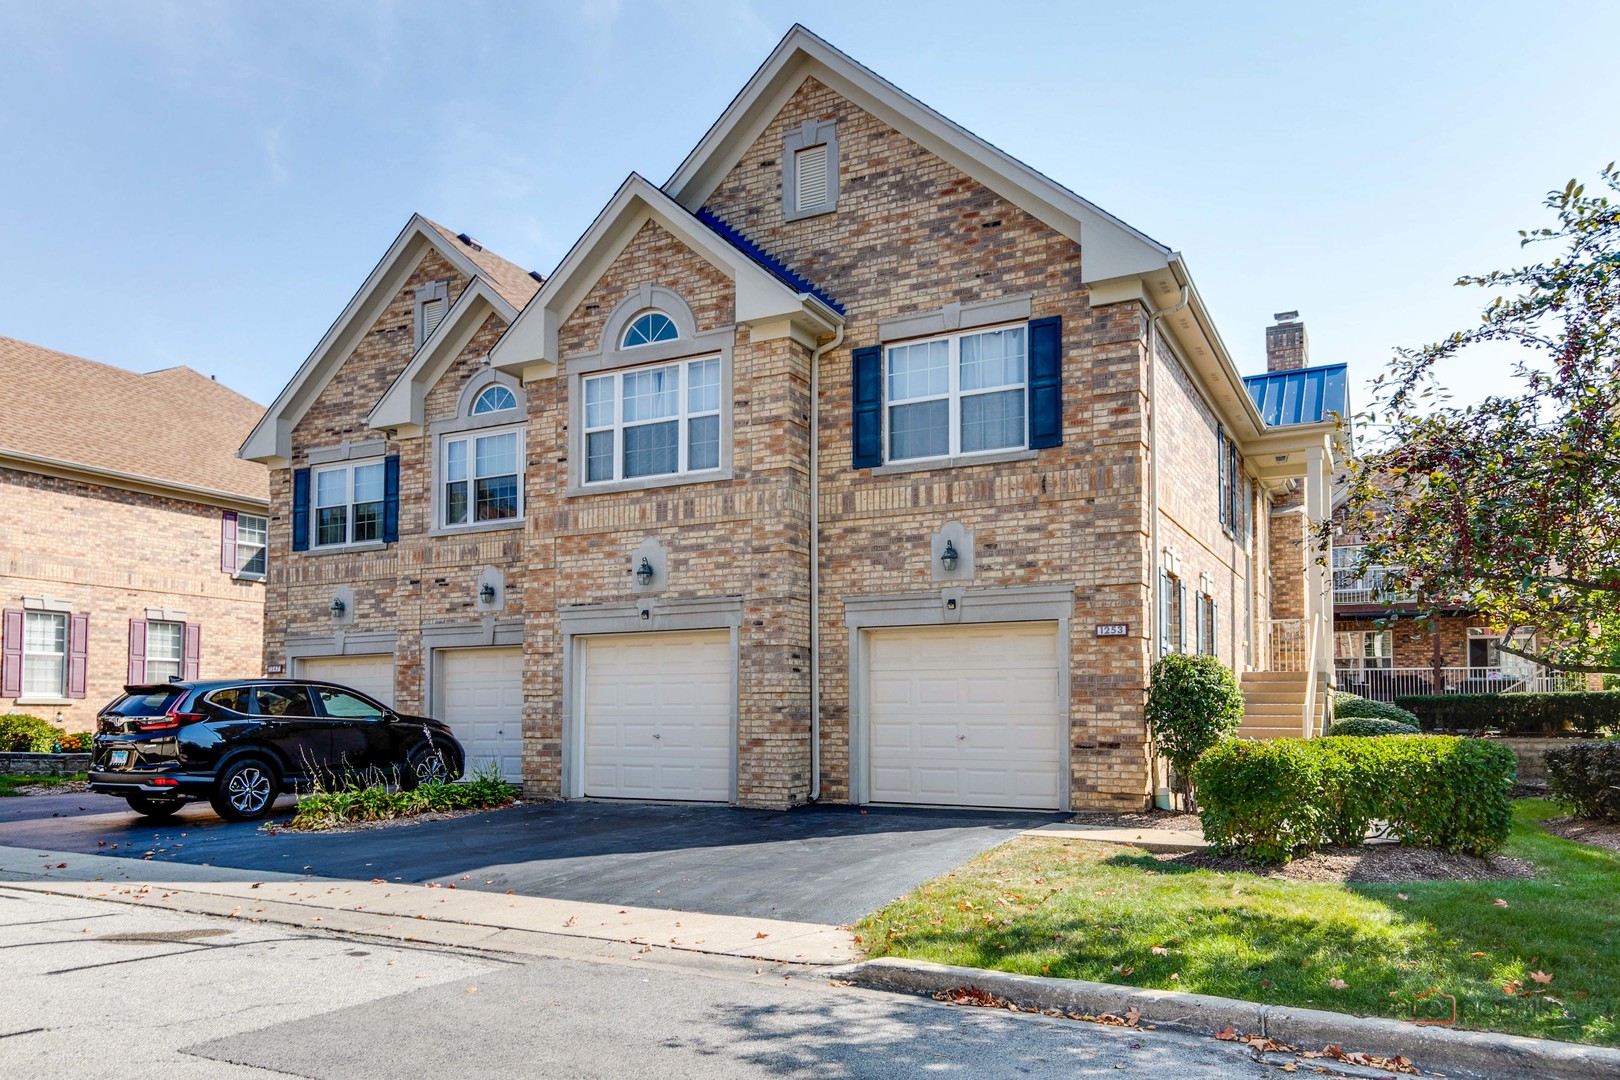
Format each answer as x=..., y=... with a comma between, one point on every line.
x=337, y=607
x=486, y=594
x=948, y=557
x=644, y=572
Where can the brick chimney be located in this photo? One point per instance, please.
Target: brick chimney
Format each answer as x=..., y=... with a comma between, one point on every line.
x=1287, y=348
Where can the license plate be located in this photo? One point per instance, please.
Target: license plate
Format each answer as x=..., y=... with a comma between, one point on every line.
x=119, y=758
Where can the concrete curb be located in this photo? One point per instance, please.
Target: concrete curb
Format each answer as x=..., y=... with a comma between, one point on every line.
x=1477, y=1054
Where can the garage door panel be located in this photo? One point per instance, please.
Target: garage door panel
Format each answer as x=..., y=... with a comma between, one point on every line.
x=966, y=715
x=481, y=698
x=658, y=716
x=371, y=675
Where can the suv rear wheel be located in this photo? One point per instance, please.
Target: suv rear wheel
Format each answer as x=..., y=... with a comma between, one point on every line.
x=154, y=808
x=245, y=790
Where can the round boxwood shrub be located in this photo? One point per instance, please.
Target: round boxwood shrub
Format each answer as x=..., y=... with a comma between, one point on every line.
x=1193, y=703
x=1349, y=706
x=1366, y=725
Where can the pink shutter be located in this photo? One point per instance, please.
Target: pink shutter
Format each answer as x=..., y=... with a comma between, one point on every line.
x=137, y=650
x=78, y=654
x=227, y=542
x=193, y=653
x=11, y=641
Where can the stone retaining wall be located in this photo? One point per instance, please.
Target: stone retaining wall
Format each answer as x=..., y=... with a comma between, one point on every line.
x=1532, y=756
x=43, y=764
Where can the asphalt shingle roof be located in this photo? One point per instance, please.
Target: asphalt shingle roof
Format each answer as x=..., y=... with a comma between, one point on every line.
x=514, y=283
x=173, y=426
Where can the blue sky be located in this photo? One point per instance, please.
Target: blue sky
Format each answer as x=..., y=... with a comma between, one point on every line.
x=208, y=183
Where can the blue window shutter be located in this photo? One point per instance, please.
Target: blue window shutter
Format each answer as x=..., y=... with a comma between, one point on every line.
x=391, y=499
x=1220, y=472
x=1046, y=383
x=867, y=432
x=300, y=510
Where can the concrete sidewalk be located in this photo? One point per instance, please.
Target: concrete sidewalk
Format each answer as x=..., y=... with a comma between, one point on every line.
x=439, y=912
x=1147, y=839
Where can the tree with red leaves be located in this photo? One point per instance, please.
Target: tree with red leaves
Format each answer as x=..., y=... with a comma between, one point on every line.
x=1511, y=506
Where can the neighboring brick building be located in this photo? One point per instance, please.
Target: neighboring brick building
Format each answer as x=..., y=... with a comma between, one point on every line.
x=858, y=462
x=132, y=543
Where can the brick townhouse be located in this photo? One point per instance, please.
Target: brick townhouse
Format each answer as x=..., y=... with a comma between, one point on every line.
x=132, y=542
x=857, y=462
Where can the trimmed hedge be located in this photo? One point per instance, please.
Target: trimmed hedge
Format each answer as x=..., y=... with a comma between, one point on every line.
x=1269, y=800
x=1586, y=775
x=1585, y=711
x=1348, y=706
x=1366, y=726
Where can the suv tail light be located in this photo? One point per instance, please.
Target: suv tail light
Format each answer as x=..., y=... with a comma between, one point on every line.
x=169, y=721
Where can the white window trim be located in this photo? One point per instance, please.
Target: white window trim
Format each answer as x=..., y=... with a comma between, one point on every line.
x=809, y=134
x=682, y=418
x=348, y=541
x=637, y=317
x=469, y=436
x=59, y=692
x=265, y=547
x=180, y=654
x=954, y=395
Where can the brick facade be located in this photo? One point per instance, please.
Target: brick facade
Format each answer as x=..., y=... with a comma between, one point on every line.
x=112, y=554
x=910, y=233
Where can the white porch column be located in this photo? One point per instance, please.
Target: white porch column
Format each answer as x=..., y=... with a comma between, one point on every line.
x=1319, y=574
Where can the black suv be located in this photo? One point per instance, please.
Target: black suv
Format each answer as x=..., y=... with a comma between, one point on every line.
x=240, y=743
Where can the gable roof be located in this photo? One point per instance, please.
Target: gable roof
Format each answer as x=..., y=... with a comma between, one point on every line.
x=271, y=440
x=172, y=429
x=1112, y=248
x=1302, y=396
x=529, y=346
x=515, y=284
x=402, y=405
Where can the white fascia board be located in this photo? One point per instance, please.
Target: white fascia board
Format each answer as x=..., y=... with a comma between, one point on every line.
x=270, y=441
x=1111, y=247
x=531, y=341
x=402, y=404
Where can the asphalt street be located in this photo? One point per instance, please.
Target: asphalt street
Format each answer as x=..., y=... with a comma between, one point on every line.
x=821, y=864
x=96, y=989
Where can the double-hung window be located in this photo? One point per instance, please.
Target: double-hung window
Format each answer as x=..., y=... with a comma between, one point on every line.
x=252, y=536
x=653, y=421
x=165, y=645
x=957, y=395
x=44, y=653
x=482, y=477
x=349, y=504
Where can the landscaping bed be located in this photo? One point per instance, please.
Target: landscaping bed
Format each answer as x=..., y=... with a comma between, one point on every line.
x=42, y=784
x=1174, y=821
x=376, y=806
x=1586, y=830
x=1115, y=914
x=1371, y=863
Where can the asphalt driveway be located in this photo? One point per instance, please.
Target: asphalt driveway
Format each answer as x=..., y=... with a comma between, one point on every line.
x=824, y=864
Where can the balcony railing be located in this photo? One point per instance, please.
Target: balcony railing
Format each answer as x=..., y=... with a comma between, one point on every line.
x=1288, y=648
x=1386, y=684
x=1353, y=584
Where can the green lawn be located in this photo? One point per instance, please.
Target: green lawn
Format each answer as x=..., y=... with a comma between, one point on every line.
x=9, y=784
x=1091, y=911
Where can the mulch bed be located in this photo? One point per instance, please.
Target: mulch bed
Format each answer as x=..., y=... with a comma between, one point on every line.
x=1586, y=830
x=390, y=823
x=72, y=787
x=1153, y=819
x=1376, y=863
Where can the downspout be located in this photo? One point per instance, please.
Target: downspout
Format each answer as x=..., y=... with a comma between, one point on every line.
x=1155, y=631
x=815, y=559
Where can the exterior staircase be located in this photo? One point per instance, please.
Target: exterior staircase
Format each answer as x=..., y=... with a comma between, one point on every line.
x=1274, y=705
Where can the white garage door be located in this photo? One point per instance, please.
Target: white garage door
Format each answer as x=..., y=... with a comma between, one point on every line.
x=658, y=716
x=967, y=716
x=481, y=698
x=371, y=675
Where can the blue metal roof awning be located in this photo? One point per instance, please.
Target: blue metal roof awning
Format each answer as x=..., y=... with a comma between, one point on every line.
x=1306, y=396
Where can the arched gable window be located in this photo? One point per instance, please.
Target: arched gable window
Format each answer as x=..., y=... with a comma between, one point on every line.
x=496, y=398
x=648, y=328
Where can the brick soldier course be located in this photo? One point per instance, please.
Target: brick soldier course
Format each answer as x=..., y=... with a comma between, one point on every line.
x=915, y=232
